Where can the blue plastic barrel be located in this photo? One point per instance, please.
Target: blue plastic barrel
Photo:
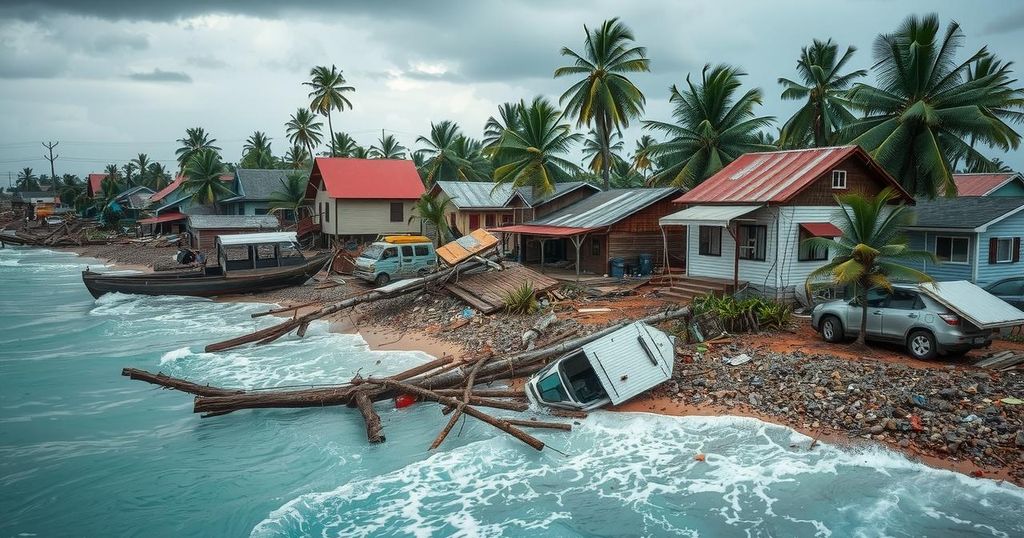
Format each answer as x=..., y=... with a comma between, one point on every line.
x=646, y=264
x=617, y=267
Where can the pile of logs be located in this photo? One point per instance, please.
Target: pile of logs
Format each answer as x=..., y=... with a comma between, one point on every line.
x=68, y=233
x=454, y=384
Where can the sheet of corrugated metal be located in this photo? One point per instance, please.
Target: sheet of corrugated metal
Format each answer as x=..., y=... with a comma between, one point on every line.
x=707, y=215
x=980, y=184
x=984, y=310
x=476, y=194
x=605, y=208
x=625, y=367
x=467, y=246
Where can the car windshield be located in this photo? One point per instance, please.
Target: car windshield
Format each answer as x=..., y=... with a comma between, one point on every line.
x=372, y=252
x=551, y=388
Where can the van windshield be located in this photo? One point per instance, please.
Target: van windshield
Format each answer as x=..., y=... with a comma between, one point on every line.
x=551, y=389
x=372, y=252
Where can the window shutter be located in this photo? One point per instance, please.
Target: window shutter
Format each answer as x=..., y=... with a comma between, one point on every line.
x=1016, y=249
x=993, y=245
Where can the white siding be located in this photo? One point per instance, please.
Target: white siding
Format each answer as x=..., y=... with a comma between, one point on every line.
x=328, y=221
x=793, y=272
x=367, y=217
x=760, y=274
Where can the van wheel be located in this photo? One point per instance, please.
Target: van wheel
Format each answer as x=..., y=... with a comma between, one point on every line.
x=921, y=345
x=832, y=329
x=382, y=279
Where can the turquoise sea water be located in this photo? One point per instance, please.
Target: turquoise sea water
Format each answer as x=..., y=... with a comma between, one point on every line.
x=86, y=452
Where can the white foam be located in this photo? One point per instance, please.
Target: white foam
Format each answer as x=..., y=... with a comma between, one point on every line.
x=174, y=355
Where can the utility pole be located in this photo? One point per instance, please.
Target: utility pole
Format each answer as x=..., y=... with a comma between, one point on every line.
x=51, y=158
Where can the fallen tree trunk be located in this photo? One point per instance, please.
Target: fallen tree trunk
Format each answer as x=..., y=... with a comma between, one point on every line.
x=373, y=426
x=538, y=424
x=178, y=384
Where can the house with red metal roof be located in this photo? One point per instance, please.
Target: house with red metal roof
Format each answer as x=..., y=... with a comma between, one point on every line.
x=95, y=184
x=362, y=198
x=746, y=224
x=1001, y=184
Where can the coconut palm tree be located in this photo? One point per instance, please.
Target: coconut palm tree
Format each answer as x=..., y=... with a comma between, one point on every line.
x=508, y=118
x=449, y=155
x=535, y=152
x=641, y=161
x=142, y=162
x=158, y=177
x=196, y=140
x=605, y=98
x=290, y=197
x=359, y=152
x=824, y=89
x=328, y=89
x=202, y=179
x=256, y=152
x=303, y=129
x=869, y=253
x=129, y=174
x=387, y=148
x=712, y=127
x=72, y=192
x=926, y=111
x=433, y=211
x=344, y=145
x=593, y=151
x=297, y=157
x=27, y=181
x=112, y=172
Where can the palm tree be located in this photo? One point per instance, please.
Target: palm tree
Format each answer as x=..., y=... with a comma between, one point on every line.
x=449, y=155
x=72, y=192
x=826, y=110
x=508, y=118
x=112, y=172
x=624, y=176
x=869, y=253
x=994, y=166
x=157, y=176
x=328, y=94
x=256, y=152
x=594, y=152
x=434, y=211
x=303, y=129
x=196, y=140
x=142, y=162
x=344, y=145
x=297, y=157
x=605, y=98
x=202, y=179
x=712, y=128
x=926, y=112
x=387, y=148
x=359, y=152
x=27, y=181
x=129, y=174
x=291, y=196
x=641, y=159
x=535, y=152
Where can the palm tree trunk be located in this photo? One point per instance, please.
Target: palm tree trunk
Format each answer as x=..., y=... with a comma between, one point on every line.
x=330, y=128
x=863, y=332
x=606, y=140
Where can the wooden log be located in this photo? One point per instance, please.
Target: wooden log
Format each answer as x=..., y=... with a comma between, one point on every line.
x=178, y=384
x=485, y=393
x=374, y=431
x=325, y=397
x=568, y=413
x=466, y=396
x=283, y=310
x=508, y=405
x=531, y=423
x=423, y=368
x=473, y=412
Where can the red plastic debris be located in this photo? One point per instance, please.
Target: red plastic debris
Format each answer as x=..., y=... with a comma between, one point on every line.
x=404, y=400
x=915, y=423
x=700, y=457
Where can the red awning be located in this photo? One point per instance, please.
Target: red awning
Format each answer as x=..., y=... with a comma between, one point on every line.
x=547, y=231
x=821, y=229
x=166, y=217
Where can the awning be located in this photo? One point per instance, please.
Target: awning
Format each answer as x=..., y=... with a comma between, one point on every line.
x=166, y=217
x=257, y=238
x=546, y=231
x=821, y=229
x=707, y=215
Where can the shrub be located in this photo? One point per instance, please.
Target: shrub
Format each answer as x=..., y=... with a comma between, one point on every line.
x=521, y=300
x=752, y=313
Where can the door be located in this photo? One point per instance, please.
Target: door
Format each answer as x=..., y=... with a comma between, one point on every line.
x=408, y=267
x=902, y=311
x=876, y=302
x=389, y=262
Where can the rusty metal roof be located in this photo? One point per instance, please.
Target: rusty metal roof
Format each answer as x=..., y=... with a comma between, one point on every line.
x=776, y=177
x=605, y=208
x=983, y=184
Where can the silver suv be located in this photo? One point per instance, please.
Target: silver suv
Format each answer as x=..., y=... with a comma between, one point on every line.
x=904, y=316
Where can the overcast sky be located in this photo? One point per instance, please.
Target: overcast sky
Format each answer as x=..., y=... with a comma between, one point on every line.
x=112, y=78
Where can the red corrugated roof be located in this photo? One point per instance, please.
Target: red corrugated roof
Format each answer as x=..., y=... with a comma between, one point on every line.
x=388, y=179
x=96, y=183
x=822, y=229
x=166, y=217
x=167, y=190
x=776, y=177
x=980, y=184
x=552, y=231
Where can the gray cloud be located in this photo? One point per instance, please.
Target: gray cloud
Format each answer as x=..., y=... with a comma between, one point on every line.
x=159, y=75
x=1011, y=22
x=206, y=62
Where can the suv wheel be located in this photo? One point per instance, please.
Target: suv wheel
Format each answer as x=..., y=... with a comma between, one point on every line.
x=382, y=280
x=831, y=329
x=921, y=345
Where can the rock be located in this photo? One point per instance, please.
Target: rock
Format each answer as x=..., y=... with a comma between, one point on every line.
x=877, y=429
x=1019, y=440
x=904, y=443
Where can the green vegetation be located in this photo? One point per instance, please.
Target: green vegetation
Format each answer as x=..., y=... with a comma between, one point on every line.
x=534, y=152
x=827, y=109
x=451, y=156
x=387, y=148
x=303, y=130
x=327, y=94
x=434, y=211
x=521, y=300
x=750, y=314
x=202, y=178
x=291, y=196
x=196, y=141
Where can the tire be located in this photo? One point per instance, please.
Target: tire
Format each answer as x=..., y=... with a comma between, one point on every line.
x=382, y=279
x=832, y=329
x=921, y=345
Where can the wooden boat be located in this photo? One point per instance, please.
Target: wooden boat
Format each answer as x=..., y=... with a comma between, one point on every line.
x=247, y=263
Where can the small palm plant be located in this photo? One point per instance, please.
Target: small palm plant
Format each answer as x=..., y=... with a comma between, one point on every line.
x=291, y=196
x=521, y=300
x=433, y=210
x=867, y=254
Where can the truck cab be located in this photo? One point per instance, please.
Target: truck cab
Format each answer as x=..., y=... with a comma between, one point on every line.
x=396, y=257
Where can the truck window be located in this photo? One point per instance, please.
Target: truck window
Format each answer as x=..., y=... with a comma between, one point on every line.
x=372, y=252
x=551, y=389
x=390, y=252
x=406, y=251
x=422, y=250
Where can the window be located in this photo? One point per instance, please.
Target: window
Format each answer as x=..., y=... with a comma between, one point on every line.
x=390, y=252
x=810, y=253
x=507, y=218
x=952, y=249
x=839, y=179
x=752, y=241
x=595, y=246
x=490, y=220
x=474, y=222
x=710, y=241
x=422, y=250
x=397, y=212
x=265, y=252
x=327, y=212
x=406, y=251
x=289, y=250
x=877, y=297
x=904, y=300
x=1004, y=250
x=551, y=389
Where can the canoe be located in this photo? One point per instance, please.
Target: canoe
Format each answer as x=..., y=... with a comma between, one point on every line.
x=210, y=282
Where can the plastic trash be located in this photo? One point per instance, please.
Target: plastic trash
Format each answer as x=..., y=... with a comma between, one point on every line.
x=467, y=312
x=969, y=418
x=918, y=400
x=1012, y=401
x=742, y=358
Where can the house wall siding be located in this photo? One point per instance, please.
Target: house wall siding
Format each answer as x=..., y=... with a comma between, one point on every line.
x=1013, y=188
x=859, y=178
x=792, y=273
x=762, y=274
x=562, y=201
x=371, y=217
x=943, y=271
x=988, y=273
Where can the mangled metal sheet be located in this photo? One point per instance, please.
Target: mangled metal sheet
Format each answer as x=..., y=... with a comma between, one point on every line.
x=981, y=308
x=467, y=246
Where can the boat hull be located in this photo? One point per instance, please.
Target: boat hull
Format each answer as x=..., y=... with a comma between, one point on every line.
x=197, y=284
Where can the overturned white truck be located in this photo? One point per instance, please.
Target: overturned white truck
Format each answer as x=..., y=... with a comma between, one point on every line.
x=611, y=369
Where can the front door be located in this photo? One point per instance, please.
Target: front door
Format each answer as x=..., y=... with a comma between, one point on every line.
x=408, y=266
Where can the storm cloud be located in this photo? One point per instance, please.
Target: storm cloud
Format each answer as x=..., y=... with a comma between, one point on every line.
x=159, y=75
